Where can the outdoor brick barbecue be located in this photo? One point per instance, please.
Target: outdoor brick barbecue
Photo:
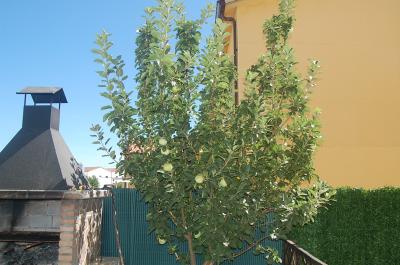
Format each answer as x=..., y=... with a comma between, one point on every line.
x=44, y=198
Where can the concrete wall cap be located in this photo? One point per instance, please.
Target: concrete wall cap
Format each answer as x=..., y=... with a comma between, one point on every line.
x=52, y=194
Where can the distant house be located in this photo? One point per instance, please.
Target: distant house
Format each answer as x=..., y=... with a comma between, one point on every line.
x=105, y=176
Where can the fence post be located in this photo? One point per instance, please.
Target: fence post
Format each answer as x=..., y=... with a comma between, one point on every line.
x=116, y=229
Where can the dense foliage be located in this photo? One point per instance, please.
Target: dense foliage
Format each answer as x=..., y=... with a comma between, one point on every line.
x=361, y=228
x=211, y=171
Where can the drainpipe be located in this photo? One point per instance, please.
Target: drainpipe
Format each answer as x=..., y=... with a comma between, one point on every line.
x=221, y=14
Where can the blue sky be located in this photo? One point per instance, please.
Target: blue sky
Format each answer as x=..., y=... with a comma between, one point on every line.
x=48, y=43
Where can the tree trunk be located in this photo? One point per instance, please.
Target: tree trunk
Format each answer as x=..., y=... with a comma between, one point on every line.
x=191, y=251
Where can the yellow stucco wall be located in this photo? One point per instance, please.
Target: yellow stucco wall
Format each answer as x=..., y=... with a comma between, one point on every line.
x=358, y=44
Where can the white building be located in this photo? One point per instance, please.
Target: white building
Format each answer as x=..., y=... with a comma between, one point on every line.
x=105, y=176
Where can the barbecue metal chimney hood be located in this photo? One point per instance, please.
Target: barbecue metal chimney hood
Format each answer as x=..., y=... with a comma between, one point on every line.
x=37, y=158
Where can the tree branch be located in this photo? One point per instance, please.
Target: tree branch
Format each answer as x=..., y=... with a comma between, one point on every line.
x=250, y=247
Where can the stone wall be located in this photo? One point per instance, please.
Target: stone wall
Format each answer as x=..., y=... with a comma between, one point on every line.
x=80, y=231
x=29, y=215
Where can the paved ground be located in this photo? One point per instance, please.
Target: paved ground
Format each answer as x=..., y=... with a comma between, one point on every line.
x=109, y=261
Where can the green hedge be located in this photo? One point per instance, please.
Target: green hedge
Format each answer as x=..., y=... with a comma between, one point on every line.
x=362, y=227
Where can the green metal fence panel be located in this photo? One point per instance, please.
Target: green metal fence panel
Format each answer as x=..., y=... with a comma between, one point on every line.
x=138, y=246
x=108, y=246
